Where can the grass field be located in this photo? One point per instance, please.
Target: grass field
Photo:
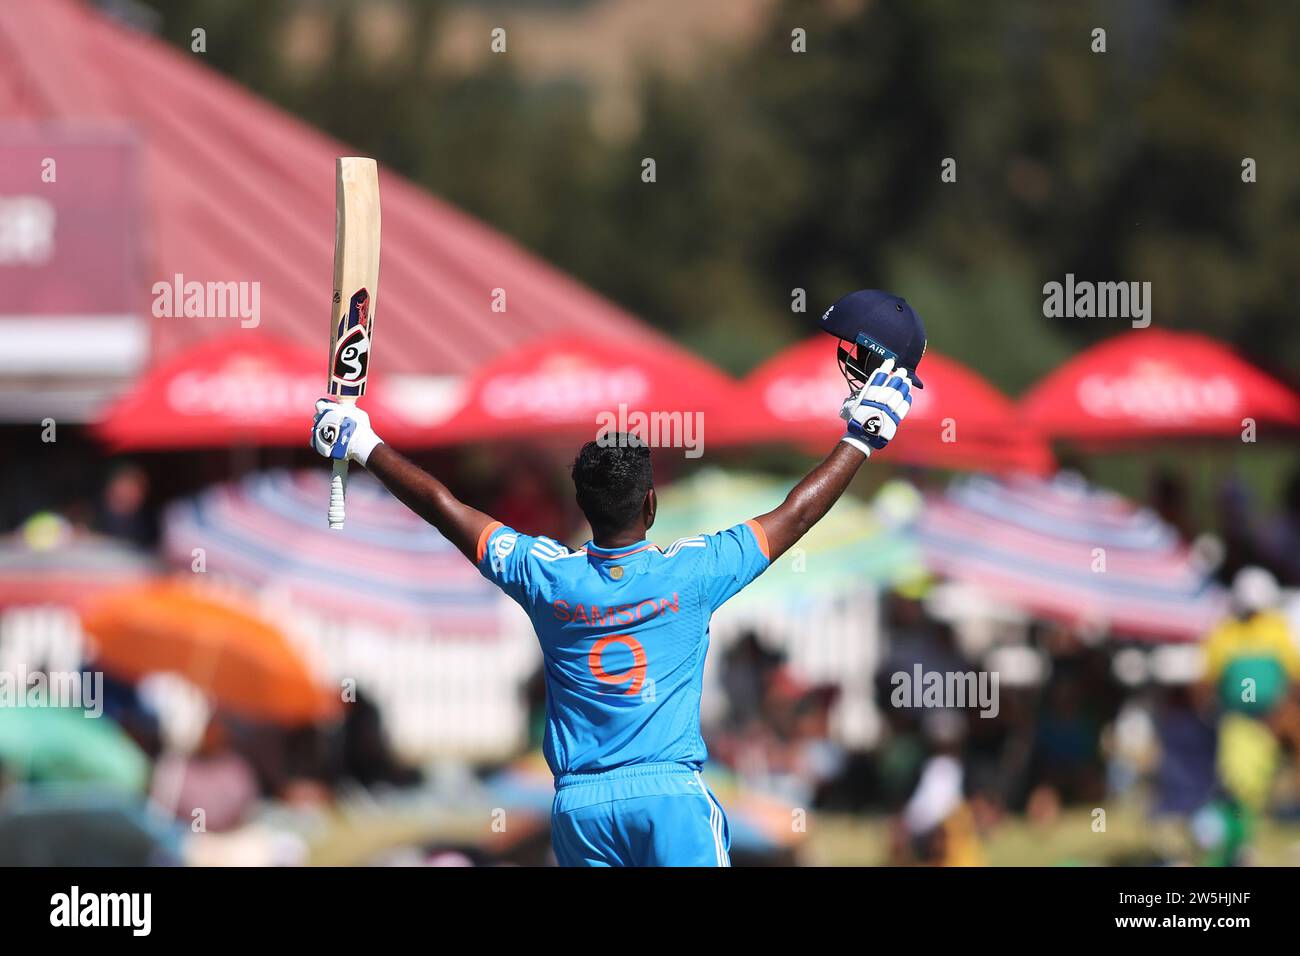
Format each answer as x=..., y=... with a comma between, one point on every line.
x=1130, y=839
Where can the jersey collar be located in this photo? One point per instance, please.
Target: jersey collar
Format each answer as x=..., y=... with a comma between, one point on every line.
x=617, y=553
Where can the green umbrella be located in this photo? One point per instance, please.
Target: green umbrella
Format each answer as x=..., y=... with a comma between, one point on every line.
x=62, y=745
x=850, y=547
x=73, y=826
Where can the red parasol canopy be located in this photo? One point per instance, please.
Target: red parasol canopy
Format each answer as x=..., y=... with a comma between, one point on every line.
x=796, y=395
x=1151, y=383
x=574, y=386
x=243, y=388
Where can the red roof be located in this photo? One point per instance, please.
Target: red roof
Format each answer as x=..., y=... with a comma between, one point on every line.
x=1151, y=383
x=237, y=190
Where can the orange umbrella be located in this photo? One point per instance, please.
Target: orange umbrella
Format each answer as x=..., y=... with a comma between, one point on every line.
x=241, y=660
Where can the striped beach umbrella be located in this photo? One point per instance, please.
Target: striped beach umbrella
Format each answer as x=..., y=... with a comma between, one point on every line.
x=386, y=566
x=46, y=562
x=1068, y=551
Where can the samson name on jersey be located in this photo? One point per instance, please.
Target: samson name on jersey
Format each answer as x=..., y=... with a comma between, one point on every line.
x=624, y=633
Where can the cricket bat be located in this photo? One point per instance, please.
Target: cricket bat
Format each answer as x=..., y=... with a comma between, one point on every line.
x=356, y=284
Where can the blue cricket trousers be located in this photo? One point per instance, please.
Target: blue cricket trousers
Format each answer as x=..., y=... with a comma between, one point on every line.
x=652, y=814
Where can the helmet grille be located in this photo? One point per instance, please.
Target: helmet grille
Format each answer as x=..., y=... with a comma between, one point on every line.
x=857, y=363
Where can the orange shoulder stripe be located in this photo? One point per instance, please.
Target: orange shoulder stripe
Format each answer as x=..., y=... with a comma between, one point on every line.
x=761, y=535
x=483, y=538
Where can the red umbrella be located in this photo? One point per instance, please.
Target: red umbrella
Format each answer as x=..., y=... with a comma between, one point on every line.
x=1150, y=383
x=957, y=421
x=245, y=387
x=576, y=386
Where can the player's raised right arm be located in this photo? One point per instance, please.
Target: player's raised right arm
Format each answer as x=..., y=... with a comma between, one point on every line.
x=873, y=416
x=429, y=498
x=343, y=431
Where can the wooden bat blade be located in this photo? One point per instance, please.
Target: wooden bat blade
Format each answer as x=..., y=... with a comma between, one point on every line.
x=356, y=275
x=356, y=292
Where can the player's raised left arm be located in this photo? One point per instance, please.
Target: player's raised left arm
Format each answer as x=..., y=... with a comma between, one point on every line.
x=808, y=502
x=343, y=431
x=873, y=416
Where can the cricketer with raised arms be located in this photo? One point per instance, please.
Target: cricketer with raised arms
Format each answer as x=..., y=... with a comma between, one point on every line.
x=624, y=624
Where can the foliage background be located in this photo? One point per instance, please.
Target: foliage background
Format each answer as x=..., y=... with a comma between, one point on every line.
x=779, y=170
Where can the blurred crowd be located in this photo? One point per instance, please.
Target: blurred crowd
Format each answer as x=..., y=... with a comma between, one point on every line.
x=1204, y=743
x=1207, y=742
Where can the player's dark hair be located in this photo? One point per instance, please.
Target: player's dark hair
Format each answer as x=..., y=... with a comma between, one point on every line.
x=611, y=476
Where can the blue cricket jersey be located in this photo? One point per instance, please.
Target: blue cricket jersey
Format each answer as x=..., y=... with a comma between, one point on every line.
x=624, y=634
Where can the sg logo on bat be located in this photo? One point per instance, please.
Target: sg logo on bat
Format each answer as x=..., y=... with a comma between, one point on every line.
x=351, y=359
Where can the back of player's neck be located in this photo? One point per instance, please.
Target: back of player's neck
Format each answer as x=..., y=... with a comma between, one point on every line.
x=612, y=542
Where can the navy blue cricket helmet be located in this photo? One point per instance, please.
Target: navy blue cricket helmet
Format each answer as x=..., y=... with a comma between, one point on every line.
x=873, y=326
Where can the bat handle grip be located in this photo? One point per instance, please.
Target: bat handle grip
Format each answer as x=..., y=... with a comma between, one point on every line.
x=338, y=490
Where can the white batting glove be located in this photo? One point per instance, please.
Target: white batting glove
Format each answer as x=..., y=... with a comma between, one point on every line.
x=875, y=413
x=343, y=431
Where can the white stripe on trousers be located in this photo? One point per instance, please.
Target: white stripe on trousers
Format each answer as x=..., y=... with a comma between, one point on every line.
x=715, y=823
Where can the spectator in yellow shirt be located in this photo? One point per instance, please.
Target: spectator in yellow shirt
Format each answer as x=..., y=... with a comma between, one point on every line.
x=1252, y=663
x=1251, y=658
